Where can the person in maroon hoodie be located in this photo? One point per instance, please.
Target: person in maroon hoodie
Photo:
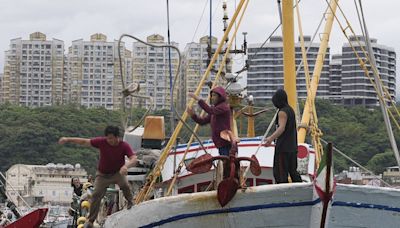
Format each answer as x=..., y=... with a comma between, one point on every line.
x=218, y=115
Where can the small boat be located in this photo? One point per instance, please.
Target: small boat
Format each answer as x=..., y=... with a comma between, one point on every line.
x=33, y=219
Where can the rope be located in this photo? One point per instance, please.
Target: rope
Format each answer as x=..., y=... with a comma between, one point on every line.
x=208, y=98
x=198, y=24
x=125, y=94
x=358, y=164
x=315, y=131
x=260, y=144
x=363, y=64
x=143, y=194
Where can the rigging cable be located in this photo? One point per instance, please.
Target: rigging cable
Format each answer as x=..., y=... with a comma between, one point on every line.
x=170, y=73
x=358, y=164
x=150, y=181
x=364, y=67
x=175, y=78
x=315, y=131
x=359, y=18
x=222, y=63
x=380, y=91
x=262, y=45
x=260, y=144
x=308, y=49
x=198, y=24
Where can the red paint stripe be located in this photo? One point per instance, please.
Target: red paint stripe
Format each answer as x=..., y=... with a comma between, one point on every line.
x=191, y=174
x=213, y=147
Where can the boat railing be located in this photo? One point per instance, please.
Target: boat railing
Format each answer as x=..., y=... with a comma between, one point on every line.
x=4, y=183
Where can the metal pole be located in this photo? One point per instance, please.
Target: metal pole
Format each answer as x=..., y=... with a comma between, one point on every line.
x=305, y=120
x=171, y=94
x=289, y=69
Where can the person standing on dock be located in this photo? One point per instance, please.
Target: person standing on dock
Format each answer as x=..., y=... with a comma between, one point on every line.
x=285, y=156
x=111, y=168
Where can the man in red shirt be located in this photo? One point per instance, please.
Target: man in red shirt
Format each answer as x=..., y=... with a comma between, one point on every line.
x=111, y=168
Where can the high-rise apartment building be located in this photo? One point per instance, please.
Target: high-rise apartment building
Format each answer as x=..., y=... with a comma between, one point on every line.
x=356, y=86
x=1, y=88
x=94, y=73
x=335, y=79
x=34, y=71
x=265, y=73
x=151, y=70
x=195, y=63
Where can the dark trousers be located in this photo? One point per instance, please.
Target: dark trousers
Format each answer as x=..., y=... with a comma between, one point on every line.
x=100, y=188
x=285, y=164
x=224, y=150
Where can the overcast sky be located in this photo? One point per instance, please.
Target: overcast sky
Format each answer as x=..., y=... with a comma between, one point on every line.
x=75, y=19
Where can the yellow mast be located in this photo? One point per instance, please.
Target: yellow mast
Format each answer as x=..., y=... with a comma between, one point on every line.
x=143, y=194
x=250, y=122
x=305, y=120
x=289, y=68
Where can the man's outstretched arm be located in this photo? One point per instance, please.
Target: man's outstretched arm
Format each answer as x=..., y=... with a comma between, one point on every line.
x=75, y=140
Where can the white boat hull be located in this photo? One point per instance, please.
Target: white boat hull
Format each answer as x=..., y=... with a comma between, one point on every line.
x=284, y=205
x=256, y=207
x=365, y=206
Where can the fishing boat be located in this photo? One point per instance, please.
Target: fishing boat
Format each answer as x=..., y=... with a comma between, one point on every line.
x=33, y=219
x=186, y=187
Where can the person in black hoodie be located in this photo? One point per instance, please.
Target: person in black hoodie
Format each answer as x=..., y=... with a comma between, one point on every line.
x=285, y=156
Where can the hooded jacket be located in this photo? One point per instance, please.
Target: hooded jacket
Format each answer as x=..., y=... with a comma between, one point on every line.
x=218, y=115
x=287, y=141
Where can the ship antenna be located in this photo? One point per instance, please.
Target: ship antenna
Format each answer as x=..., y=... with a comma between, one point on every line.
x=171, y=94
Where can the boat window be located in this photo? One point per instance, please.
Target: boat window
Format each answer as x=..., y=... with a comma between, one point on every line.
x=260, y=181
x=249, y=182
x=188, y=189
x=201, y=187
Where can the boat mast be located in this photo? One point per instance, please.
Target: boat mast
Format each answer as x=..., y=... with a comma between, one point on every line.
x=380, y=93
x=144, y=193
x=289, y=68
x=305, y=120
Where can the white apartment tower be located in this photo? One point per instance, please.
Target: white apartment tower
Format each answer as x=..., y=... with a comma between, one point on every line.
x=194, y=65
x=34, y=71
x=94, y=72
x=1, y=88
x=356, y=86
x=265, y=74
x=335, y=79
x=151, y=71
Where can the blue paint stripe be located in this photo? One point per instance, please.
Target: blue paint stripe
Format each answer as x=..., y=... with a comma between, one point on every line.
x=269, y=206
x=365, y=205
x=231, y=210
